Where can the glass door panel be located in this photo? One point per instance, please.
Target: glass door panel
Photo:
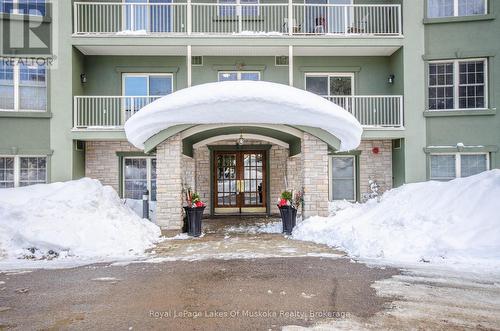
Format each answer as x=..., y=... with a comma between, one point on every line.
x=240, y=182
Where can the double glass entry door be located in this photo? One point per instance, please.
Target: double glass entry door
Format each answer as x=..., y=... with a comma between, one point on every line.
x=240, y=182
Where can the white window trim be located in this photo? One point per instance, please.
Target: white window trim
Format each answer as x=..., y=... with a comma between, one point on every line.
x=145, y=75
x=17, y=166
x=330, y=75
x=456, y=84
x=16, y=82
x=238, y=73
x=458, y=163
x=330, y=176
x=455, y=10
x=17, y=11
x=148, y=172
x=134, y=27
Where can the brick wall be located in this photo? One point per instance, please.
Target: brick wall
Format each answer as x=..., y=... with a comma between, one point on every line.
x=101, y=161
x=376, y=167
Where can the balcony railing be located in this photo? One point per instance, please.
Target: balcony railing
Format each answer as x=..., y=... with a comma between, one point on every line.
x=105, y=112
x=193, y=18
x=375, y=110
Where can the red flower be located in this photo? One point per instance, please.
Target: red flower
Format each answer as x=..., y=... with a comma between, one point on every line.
x=199, y=204
x=283, y=202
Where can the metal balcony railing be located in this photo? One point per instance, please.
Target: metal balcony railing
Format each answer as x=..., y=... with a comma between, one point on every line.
x=193, y=18
x=111, y=112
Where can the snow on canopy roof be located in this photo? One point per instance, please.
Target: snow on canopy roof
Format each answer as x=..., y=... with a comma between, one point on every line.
x=243, y=102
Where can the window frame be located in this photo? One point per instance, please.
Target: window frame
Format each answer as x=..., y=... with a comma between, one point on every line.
x=146, y=75
x=329, y=75
x=17, y=11
x=17, y=167
x=458, y=163
x=238, y=73
x=456, y=10
x=456, y=84
x=16, y=72
x=355, y=176
x=148, y=174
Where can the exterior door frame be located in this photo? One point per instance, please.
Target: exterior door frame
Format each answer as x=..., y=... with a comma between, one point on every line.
x=236, y=148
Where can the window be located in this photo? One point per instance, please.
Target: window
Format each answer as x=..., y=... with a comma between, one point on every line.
x=238, y=75
x=450, y=166
x=23, y=7
x=343, y=178
x=142, y=89
x=140, y=15
x=18, y=171
x=139, y=175
x=448, y=8
x=335, y=87
x=329, y=85
x=6, y=172
x=23, y=87
x=228, y=8
x=460, y=84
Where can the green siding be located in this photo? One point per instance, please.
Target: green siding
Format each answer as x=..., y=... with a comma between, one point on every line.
x=466, y=39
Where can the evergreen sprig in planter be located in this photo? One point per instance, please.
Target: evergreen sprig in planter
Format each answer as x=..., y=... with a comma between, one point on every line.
x=194, y=209
x=288, y=205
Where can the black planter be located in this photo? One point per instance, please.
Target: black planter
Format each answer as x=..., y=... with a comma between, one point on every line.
x=194, y=217
x=289, y=218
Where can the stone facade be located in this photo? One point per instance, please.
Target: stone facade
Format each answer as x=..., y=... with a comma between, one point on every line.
x=377, y=167
x=315, y=176
x=101, y=161
x=308, y=171
x=169, y=180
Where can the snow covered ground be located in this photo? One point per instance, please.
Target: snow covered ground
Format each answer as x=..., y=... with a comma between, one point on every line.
x=454, y=223
x=69, y=223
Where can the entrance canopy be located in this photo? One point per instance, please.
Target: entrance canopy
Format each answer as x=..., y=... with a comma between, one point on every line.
x=243, y=102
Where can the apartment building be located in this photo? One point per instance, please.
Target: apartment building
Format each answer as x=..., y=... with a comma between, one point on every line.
x=419, y=76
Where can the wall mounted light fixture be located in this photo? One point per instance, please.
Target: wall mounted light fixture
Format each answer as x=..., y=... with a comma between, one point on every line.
x=390, y=79
x=83, y=78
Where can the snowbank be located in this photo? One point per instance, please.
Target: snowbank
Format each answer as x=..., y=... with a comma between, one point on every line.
x=81, y=219
x=454, y=222
x=236, y=102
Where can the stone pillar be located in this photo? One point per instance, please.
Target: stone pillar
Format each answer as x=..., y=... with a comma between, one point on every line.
x=315, y=176
x=169, y=212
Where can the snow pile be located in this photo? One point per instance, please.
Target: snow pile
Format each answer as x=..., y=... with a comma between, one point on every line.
x=454, y=222
x=236, y=102
x=81, y=219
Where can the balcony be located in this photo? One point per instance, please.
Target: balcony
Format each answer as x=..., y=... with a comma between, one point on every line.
x=254, y=19
x=111, y=112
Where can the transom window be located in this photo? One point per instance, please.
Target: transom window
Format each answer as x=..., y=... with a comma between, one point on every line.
x=448, y=8
x=139, y=175
x=238, y=75
x=23, y=7
x=460, y=84
x=23, y=87
x=455, y=165
x=343, y=178
x=18, y=171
